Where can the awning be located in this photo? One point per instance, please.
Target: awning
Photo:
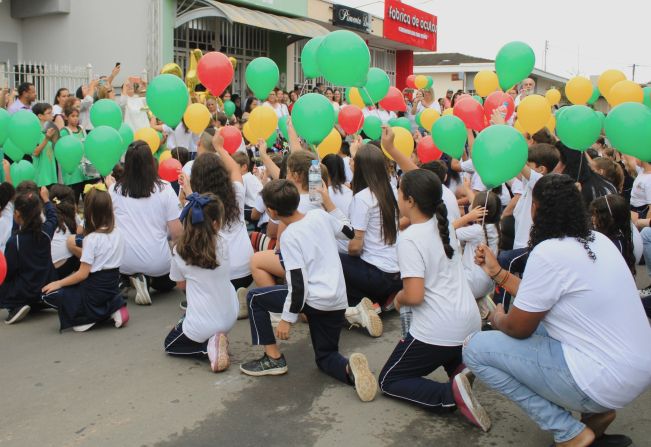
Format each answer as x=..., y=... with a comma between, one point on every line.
x=258, y=19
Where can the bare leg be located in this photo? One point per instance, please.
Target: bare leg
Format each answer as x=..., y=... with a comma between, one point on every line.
x=598, y=423
x=265, y=266
x=583, y=439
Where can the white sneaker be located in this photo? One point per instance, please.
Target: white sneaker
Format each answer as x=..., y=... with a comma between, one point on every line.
x=364, y=315
x=120, y=317
x=83, y=327
x=244, y=307
x=644, y=293
x=486, y=306
x=139, y=283
x=218, y=353
x=365, y=383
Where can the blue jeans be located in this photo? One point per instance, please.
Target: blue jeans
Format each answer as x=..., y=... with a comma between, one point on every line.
x=533, y=374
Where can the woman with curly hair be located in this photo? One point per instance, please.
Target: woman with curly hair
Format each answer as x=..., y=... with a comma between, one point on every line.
x=566, y=344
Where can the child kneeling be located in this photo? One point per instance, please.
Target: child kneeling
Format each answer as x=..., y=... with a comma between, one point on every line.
x=315, y=287
x=91, y=294
x=200, y=264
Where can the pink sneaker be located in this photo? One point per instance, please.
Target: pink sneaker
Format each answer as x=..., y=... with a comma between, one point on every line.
x=120, y=317
x=467, y=404
x=218, y=353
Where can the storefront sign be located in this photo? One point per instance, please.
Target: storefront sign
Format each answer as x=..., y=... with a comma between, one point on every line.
x=351, y=18
x=406, y=24
x=297, y=8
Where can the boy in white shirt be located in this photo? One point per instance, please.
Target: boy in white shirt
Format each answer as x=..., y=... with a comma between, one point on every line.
x=315, y=287
x=641, y=192
x=252, y=184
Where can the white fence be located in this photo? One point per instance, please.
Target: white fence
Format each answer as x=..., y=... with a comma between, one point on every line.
x=47, y=78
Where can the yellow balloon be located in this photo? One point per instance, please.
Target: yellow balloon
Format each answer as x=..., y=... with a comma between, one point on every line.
x=330, y=144
x=625, y=91
x=402, y=140
x=518, y=127
x=164, y=156
x=263, y=121
x=149, y=136
x=420, y=81
x=553, y=96
x=428, y=118
x=486, y=82
x=551, y=124
x=233, y=62
x=608, y=79
x=448, y=111
x=250, y=137
x=533, y=113
x=356, y=98
x=197, y=117
x=173, y=69
x=578, y=90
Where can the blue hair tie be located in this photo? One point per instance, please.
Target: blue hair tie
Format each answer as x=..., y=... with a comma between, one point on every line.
x=196, y=202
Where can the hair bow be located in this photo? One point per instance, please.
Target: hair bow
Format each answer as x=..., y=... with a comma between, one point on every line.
x=98, y=186
x=196, y=202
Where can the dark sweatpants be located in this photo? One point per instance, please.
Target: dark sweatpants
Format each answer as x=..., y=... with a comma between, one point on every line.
x=325, y=327
x=177, y=343
x=366, y=280
x=403, y=376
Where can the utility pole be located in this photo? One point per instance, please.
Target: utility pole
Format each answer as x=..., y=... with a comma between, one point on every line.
x=545, y=55
x=633, y=74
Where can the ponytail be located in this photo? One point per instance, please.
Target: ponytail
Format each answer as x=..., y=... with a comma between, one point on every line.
x=444, y=229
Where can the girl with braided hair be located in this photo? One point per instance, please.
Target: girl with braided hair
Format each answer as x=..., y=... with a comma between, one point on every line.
x=443, y=307
x=566, y=344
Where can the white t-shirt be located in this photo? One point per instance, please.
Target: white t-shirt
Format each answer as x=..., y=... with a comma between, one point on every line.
x=516, y=186
x=135, y=111
x=449, y=313
x=262, y=209
x=252, y=187
x=305, y=204
x=348, y=170
x=451, y=204
x=310, y=245
x=522, y=211
x=342, y=199
x=187, y=168
x=144, y=226
x=638, y=244
x=180, y=137
x=280, y=109
x=6, y=224
x=237, y=239
x=434, y=105
x=365, y=216
x=212, y=302
x=641, y=192
x=103, y=251
x=472, y=236
x=384, y=115
x=59, y=244
x=594, y=310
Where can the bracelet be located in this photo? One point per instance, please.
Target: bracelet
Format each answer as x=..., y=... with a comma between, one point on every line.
x=497, y=274
x=506, y=277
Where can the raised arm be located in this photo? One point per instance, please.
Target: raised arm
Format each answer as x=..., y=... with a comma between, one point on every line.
x=231, y=166
x=294, y=141
x=272, y=170
x=403, y=161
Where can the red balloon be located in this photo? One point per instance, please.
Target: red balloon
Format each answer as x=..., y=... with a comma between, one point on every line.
x=410, y=81
x=394, y=101
x=3, y=267
x=215, y=72
x=498, y=99
x=169, y=169
x=232, y=138
x=427, y=150
x=351, y=119
x=471, y=113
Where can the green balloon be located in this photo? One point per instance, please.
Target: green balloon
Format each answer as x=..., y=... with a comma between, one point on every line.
x=282, y=125
x=312, y=117
x=68, y=152
x=344, y=59
x=362, y=93
x=514, y=62
x=578, y=127
x=4, y=125
x=127, y=136
x=106, y=112
x=392, y=122
x=366, y=140
x=308, y=58
x=229, y=108
x=418, y=119
x=167, y=97
x=499, y=154
x=25, y=131
x=377, y=85
x=12, y=151
x=628, y=127
x=272, y=139
x=449, y=135
x=404, y=123
x=478, y=98
x=430, y=83
x=372, y=127
x=262, y=76
x=104, y=148
x=22, y=170
x=595, y=95
x=602, y=118
x=646, y=99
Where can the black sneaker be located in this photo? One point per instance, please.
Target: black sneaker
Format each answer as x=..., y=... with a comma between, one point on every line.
x=16, y=314
x=184, y=305
x=265, y=366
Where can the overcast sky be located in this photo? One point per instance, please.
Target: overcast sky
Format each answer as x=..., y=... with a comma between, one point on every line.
x=603, y=34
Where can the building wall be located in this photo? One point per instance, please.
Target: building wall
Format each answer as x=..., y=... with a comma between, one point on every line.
x=10, y=34
x=94, y=32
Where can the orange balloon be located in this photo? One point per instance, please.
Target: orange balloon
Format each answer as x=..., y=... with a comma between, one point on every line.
x=330, y=144
x=448, y=111
x=578, y=90
x=356, y=98
x=164, y=156
x=533, y=113
x=149, y=136
x=608, y=79
x=553, y=96
x=421, y=81
x=625, y=91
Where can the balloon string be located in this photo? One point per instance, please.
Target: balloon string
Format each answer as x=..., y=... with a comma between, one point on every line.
x=578, y=174
x=303, y=87
x=483, y=218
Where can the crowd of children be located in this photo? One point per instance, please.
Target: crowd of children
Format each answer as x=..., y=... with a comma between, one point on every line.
x=242, y=237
